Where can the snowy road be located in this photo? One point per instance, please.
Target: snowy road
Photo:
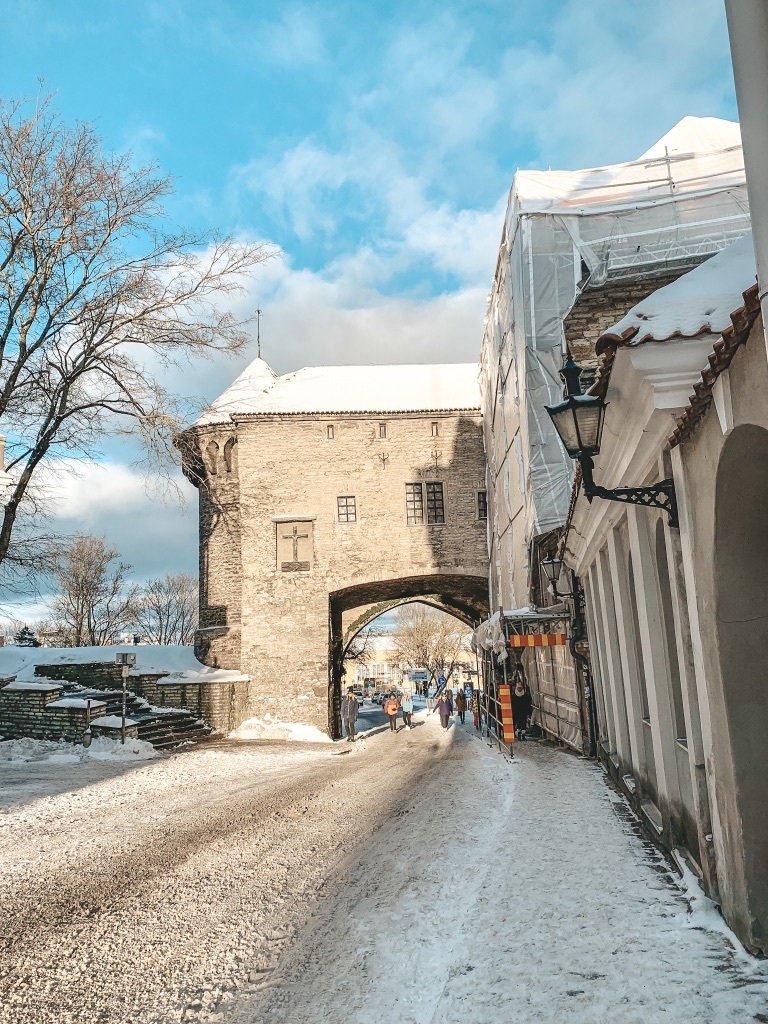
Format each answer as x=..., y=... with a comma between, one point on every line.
x=410, y=879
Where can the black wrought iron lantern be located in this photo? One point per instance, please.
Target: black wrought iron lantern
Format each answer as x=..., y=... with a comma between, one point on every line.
x=552, y=567
x=578, y=420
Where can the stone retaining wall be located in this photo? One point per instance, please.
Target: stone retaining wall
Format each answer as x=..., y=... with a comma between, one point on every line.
x=27, y=713
x=223, y=705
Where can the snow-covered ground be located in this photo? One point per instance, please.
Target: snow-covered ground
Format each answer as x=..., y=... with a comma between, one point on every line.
x=410, y=878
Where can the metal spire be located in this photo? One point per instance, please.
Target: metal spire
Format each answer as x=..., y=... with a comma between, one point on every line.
x=258, y=331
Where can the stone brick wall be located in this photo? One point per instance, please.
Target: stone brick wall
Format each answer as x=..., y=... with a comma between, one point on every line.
x=223, y=705
x=27, y=713
x=273, y=624
x=598, y=309
x=218, y=640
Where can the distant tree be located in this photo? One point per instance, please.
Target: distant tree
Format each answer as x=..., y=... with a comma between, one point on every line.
x=96, y=290
x=94, y=602
x=166, y=609
x=26, y=638
x=426, y=638
x=362, y=647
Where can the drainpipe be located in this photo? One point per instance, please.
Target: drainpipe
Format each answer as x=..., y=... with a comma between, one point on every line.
x=748, y=31
x=578, y=633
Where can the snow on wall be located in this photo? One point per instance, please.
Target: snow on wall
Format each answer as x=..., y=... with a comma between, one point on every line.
x=178, y=662
x=700, y=302
x=348, y=389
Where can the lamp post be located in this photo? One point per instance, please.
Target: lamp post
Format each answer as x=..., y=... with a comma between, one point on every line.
x=126, y=662
x=578, y=420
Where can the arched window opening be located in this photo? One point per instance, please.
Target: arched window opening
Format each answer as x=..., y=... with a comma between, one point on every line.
x=230, y=454
x=212, y=457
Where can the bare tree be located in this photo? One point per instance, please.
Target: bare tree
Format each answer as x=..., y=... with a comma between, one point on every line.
x=362, y=647
x=95, y=291
x=166, y=609
x=426, y=638
x=94, y=602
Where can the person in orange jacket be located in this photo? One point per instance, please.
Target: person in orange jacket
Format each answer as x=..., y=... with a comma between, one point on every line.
x=391, y=708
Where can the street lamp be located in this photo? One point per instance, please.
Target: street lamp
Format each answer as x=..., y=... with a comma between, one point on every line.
x=552, y=568
x=578, y=420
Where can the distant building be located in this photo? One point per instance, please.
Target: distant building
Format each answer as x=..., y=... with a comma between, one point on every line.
x=322, y=494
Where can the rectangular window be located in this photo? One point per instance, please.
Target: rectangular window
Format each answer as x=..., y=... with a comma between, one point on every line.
x=482, y=504
x=435, y=504
x=435, y=430
x=414, y=504
x=382, y=430
x=330, y=431
x=347, y=508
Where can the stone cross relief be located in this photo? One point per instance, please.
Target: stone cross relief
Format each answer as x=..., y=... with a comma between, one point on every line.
x=293, y=540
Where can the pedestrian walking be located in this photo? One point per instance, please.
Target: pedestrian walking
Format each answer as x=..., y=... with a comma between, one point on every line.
x=522, y=705
x=349, y=710
x=474, y=707
x=444, y=710
x=407, y=705
x=461, y=705
x=391, y=707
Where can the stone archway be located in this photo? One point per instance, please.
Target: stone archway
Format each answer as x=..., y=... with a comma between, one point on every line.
x=741, y=606
x=465, y=597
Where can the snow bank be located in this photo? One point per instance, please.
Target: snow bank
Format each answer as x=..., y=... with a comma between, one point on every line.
x=268, y=729
x=178, y=662
x=54, y=752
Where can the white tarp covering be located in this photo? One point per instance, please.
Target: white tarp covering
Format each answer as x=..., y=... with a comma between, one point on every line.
x=566, y=231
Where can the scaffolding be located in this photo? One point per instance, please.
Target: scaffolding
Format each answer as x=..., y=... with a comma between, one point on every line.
x=565, y=233
x=547, y=670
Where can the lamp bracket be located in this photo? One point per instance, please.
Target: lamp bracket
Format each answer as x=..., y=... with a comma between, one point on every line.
x=660, y=495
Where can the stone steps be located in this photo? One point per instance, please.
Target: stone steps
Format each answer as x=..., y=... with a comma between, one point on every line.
x=164, y=728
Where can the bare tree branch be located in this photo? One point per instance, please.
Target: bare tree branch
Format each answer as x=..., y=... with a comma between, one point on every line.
x=94, y=603
x=430, y=639
x=166, y=609
x=93, y=292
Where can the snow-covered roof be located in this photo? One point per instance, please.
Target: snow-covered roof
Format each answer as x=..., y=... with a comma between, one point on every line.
x=698, y=153
x=325, y=390
x=699, y=302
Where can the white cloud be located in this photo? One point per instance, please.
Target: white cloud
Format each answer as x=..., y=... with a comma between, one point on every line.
x=296, y=39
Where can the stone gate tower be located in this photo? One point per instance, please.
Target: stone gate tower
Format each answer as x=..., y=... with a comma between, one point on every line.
x=323, y=493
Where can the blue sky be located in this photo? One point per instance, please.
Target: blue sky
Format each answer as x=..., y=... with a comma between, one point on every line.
x=374, y=144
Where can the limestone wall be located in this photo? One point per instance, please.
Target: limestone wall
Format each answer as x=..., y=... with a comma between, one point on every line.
x=273, y=595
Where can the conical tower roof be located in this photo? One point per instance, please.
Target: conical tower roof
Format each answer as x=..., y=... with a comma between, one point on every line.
x=255, y=379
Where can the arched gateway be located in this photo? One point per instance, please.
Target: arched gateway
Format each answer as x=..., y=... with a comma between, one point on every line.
x=323, y=492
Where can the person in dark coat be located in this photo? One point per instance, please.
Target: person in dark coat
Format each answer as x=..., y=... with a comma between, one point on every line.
x=349, y=709
x=522, y=705
x=461, y=705
x=444, y=710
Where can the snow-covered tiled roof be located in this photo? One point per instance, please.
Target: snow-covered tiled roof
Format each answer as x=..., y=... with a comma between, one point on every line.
x=699, y=302
x=325, y=390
